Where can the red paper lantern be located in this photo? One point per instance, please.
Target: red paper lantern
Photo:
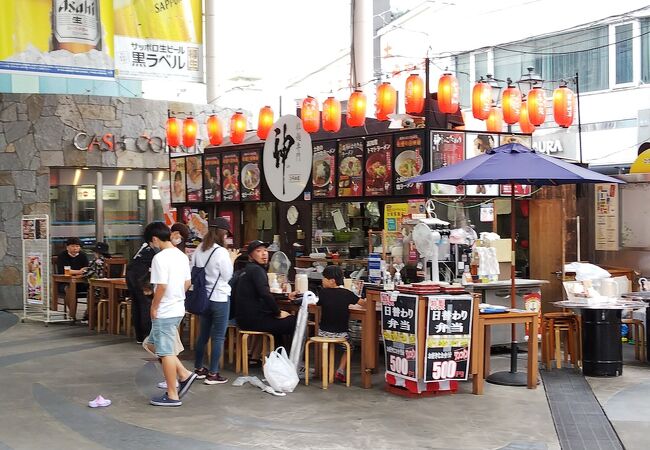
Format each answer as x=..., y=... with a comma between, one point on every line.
x=386, y=101
x=331, y=115
x=173, y=132
x=237, y=128
x=414, y=94
x=215, y=130
x=524, y=123
x=356, y=109
x=536, y=106
x=495, y=120
x=189, y=132
x=264, y=122
x=310, y=115
x=511, y=103
x=481, y=100
x=448, y=94
x=563, y=106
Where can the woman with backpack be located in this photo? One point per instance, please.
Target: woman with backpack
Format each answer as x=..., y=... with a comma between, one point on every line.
x=218, y=263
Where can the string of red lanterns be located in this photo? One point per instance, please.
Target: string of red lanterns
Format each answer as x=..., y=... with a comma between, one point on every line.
x=528, y=111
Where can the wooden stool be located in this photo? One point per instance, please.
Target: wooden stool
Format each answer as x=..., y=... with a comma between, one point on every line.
x=242, y=353
x=193, y=319
x=328, y=361
x=639, y=337
x=553, y=324
x=124, y=307
x=102, y=315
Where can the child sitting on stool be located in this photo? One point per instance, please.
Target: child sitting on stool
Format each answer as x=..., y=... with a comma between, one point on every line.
x=334, y=301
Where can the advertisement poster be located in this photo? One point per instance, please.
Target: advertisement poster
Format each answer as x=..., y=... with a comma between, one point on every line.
x=379, y=170
x=250, y=175
x=177, y=179
x=212, y=178
x=393, y=214
x=479, y=143
x=606, y=228
x=350, y=168
x=516, y=139
x=62, y=37
x=34, y=229
x=158, y=39
x=448, y=339
x=34, y=273
x=399, y=318
x=194, y=168
x=520, y=189
x=408, y=163
x=323, y=177
x=230, y=177
x=447, y=148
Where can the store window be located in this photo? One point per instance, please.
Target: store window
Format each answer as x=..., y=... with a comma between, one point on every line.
x=464, y=82
x=645, y=50
x=124, y=218
x=480, y=65
x=73, y=214
x=624, y=53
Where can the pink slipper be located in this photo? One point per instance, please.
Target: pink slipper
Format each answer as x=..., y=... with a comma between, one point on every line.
x=99, y=401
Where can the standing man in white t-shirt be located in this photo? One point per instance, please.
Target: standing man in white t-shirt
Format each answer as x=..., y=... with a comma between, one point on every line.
x=170, y=273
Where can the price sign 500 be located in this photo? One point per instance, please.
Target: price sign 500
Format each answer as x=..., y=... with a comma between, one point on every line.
x=399, y=365
x=443, y=370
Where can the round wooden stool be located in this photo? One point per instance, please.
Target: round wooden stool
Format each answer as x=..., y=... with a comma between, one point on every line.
x=553, y=325
x=328, y=361
x=639, y=337
x=242, y=353
x=124, y=307
x=102, y=315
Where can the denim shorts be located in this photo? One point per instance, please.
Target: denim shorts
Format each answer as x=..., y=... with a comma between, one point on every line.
x=164, y=335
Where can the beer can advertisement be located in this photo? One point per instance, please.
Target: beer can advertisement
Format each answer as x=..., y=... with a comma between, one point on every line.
x=57, y=37
x=155, y=39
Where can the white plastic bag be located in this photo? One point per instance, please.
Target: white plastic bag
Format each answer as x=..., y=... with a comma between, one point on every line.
x=280, y=372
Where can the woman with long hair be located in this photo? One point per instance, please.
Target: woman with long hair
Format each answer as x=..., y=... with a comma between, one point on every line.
x=218, y=263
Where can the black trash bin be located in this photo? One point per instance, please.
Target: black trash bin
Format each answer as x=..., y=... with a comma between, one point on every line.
x=602, y=352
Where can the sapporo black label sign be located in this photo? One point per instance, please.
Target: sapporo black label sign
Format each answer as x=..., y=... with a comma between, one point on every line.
x=449, y=333
x=399, y=318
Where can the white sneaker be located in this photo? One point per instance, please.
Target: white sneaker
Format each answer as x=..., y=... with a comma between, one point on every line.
x=163, y=385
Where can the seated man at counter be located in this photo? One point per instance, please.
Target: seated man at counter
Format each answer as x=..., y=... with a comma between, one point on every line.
x=77, y=263
x=256, y=308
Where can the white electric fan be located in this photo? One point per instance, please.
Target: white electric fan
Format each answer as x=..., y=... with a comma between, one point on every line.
x=426, y=241
x=280, y=265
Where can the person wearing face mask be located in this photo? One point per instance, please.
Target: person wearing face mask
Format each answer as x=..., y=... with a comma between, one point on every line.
x=180, y=235
x=257, y=309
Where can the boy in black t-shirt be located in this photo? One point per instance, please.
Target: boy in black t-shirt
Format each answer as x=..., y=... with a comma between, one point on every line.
x=334, y=301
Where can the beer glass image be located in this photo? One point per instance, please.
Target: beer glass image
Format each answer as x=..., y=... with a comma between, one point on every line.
x=146, y=19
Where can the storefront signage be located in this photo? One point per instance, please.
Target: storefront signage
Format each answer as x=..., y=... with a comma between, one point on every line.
x=379, y=166
x=409, y=163
x=194, y=178
x=212, y=178
x=446, y=148
x=448, y=339
x=350, y=168
x=561, y=144
x=399, y=318
x=250, y=175
x=606, y=227
x=230, y=176
x=36, y=273
x=323, y=177
x=287, y=159
x=108, y=142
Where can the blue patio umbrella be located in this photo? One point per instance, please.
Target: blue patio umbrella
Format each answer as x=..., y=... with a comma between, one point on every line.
x=512, y=164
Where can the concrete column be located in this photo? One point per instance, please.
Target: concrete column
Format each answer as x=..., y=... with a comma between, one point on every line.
x=211, y=51
x=362, y=46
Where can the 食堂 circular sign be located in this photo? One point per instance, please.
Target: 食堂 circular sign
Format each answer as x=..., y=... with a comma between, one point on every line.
x=287, y=158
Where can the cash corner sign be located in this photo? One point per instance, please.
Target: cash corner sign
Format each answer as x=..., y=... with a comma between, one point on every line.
x=287, y=158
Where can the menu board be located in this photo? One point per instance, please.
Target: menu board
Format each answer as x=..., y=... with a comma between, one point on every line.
x=408, y=163
x=323, y=176
x=194, y=168
x=230, y=177
x=250, y=175
x=177, y=179
x=212, y=178
x=350, y=168
x=448, y=338
x=379, y=166
x=447, y=148
x=399, y=318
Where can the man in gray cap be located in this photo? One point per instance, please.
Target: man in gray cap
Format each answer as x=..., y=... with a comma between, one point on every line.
x=257, y=309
